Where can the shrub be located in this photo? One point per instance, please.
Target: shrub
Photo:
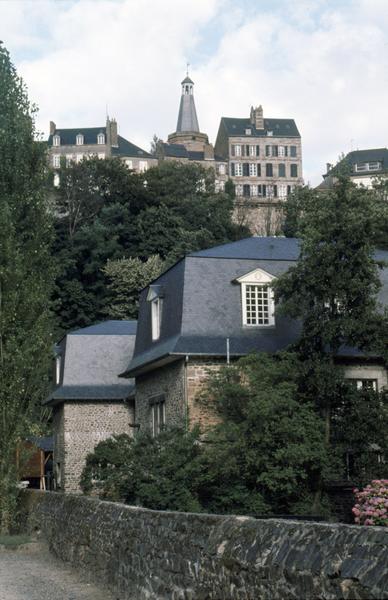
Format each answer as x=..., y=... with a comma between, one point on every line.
x=372, y=504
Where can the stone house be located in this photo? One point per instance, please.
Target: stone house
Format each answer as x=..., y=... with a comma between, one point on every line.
x=362, y=166
x=90, y=402
x=264, y=157
x=103, y=142
x=213, y=306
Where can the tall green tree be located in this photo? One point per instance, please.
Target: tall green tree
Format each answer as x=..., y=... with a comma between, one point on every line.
x=333, y=289
x=25, y=276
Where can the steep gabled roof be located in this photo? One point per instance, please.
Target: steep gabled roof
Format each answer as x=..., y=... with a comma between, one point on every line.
x=279, y=127
x=125, y=148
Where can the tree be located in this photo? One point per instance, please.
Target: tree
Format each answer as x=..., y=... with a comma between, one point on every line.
x=117, y=214
x=25, y=277
x=332, y=289
x=267, y=453
x=127, y=277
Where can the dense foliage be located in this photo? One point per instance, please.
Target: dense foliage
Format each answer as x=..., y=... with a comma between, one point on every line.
x=25, y=277
x=264, y=456
x=107, y=213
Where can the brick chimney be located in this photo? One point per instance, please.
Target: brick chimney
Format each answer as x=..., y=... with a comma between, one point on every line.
x=52, y=127
x=111, y=132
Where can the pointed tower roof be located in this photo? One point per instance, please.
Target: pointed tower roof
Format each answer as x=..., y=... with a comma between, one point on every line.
x=187, y=117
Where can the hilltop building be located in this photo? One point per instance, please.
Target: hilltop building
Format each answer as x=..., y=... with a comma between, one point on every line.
x=362, y=166
x=103, y=142
x=264, y=157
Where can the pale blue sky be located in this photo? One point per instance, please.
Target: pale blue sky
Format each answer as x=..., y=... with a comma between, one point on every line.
x=322, y=62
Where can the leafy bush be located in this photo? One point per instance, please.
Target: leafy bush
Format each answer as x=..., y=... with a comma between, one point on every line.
x=372, y=504
x=160, y=473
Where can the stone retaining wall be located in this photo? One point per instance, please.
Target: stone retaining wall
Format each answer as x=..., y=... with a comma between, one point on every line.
x=143, y=554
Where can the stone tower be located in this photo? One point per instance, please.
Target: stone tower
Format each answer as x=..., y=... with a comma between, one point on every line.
x=187, y=132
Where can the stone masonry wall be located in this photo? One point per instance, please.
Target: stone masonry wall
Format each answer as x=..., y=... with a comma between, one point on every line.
x=261, y=218
x=197, y=372
x=168, y=381
x=151, y=555
x=86, y=424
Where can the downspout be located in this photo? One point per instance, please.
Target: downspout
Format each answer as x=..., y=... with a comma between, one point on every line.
x=185, y=392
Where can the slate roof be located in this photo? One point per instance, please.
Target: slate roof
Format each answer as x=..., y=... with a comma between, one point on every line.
x=202, y=305
x=92, y=359
x=187, y=116
x=362, y=156
x=279, y=127
x=125, y=148
x=180, y=151
x=45, y=443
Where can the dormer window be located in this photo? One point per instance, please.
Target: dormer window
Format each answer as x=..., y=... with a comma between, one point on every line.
x=258, y=306
x=367, y=166
x=57, y=369
x=155, y=297
x=56, y=140
x=101, y=138
x=79, y=140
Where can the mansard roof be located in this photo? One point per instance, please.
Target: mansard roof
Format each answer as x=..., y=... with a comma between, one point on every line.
x=202, y=305
x=92, y=359
x=362, y=156
x=279, y=128
x=125, y=148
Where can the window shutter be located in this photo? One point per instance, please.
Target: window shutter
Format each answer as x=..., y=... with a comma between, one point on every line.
x=264, y=191
x=268, y=170
x=246, y=169
x=267, y=150
x=275, y=191
x=259, y=170
x=257, y=150
x=288, y=190
x=293, y=150
x=233, y=150
x=274, y=150
x=285, y=150
x=259, y=190
x=232, y=168
x=247, y=150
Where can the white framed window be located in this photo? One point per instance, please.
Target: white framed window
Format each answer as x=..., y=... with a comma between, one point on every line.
x=143, y=166
x=101, y=138
x=221, y=169
x=238, y=169
x=237, y=150
x=129, y=163
x=57, y=180
x=79, y=140
x=239, y=189
x=252, y=169
x=253, y=190
x=282, y=151
x=282, y=190
x=69, y=159
x=364, y=384
x=101, y=155
x=156, y=317
x=252, y=150
x=158, y=417
x=79, y=157
x=56, y=140
x=257, y=298
x=56, y=161
x=367, y=166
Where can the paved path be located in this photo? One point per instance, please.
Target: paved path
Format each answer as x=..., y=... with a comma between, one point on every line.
x=31, y=573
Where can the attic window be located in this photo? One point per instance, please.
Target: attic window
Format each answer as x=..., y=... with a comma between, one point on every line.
x=270, y=133
x=101, y=138
x=367, y=166
x=258, y=307
x=248, y=131
x=56, y=140
x=79, y=140
x=155, y=297
x=57, y=369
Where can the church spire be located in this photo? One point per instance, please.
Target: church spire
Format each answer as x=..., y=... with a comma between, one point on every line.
x=187, y=117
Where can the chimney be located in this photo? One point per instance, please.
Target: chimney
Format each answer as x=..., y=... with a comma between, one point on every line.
x=111, y=133
x=328, y=167
x=259, y=120
x=52, y=127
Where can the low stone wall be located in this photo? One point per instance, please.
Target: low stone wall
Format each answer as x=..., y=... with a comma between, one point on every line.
x=143, y=554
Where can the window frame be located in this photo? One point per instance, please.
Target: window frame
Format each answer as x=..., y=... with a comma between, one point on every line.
x=101, y=136
x=79, y=140
x=156, y=318
x=257, y=279
x=56, y=140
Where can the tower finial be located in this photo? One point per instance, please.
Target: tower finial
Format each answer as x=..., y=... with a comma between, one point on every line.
x=187, y=69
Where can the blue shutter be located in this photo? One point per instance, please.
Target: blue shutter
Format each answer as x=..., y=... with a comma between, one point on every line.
x=232, y=169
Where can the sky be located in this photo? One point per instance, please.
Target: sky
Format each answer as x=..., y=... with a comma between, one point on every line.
x=323, y=63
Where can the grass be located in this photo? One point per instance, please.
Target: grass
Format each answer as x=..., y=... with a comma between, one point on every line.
x=13, y=541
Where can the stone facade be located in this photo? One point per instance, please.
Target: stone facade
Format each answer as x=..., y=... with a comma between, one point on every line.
x=261, y=218
x=180, y=384
x=79, y=427
x=152, y=555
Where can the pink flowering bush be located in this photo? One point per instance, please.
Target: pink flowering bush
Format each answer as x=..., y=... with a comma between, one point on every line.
x=372, y=504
